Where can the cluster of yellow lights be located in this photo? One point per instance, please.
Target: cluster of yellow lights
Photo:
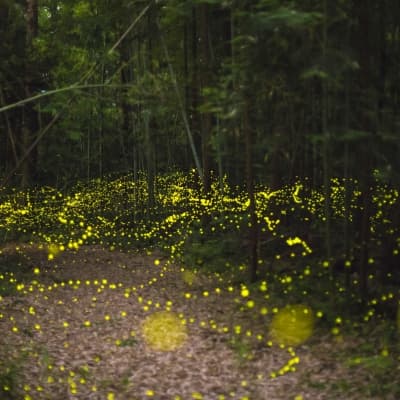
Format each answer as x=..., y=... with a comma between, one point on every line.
x=163, y=329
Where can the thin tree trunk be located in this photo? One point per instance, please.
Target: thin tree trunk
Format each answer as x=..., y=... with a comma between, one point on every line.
x=362, y=10
x=182, y=109
x=149, y=118
x=30, y=124
x=204, y=81
x=253, y=226
x=326, y=144
x=10, y=132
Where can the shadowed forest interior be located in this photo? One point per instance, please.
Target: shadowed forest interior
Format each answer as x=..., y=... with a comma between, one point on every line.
x=228, y=170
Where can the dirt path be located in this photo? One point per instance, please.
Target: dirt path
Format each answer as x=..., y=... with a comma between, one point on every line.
x=76, y=333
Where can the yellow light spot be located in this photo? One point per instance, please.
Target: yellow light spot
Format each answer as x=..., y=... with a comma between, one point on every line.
x=335, y=331
x=250, y=304
x=292, y=325
x=163, y=331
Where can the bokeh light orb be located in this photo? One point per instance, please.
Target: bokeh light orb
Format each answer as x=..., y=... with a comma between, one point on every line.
x=292, y=325
x=164, y=331
x=188, y=277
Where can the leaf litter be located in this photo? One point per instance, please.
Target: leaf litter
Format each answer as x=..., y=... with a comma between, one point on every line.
x=75, y=332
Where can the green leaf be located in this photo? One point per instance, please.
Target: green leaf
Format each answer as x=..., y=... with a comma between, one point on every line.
x=315, y=137
x=284, y=17
x=353, y=135
x=314, y=72
x=376, y=362
x=74, y=135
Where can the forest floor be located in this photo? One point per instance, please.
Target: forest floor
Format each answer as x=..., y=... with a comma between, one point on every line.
x=74, y=330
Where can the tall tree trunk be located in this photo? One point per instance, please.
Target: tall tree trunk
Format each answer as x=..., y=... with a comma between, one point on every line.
x=362, y=9
x=194, y=117
x=253, y=226
x=150, y=123
x=127, y=76
x=30, y=123
x=10, y=133
x=326, y=141
x=204, y=81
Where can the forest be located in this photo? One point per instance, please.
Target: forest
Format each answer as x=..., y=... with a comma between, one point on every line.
x=199, y=199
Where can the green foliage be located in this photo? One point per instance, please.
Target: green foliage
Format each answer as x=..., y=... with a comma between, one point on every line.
x=316, y=107
x=217, y=255
x=10, y=376
x=8, y=380
x=242, y=349
x=284, y=17
x=210, y=233
x=275, y=56
x=382, y=367
x=14, y=269
x=207, y=235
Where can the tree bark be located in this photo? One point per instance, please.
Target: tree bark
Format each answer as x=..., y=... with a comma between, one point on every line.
x=30, y=123
x=204, y=81
x=367, y=121
x=253, y=226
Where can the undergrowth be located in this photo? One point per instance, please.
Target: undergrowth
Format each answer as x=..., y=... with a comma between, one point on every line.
x=117, y=214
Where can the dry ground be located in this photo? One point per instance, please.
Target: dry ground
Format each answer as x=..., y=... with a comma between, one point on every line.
x=76, y=333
